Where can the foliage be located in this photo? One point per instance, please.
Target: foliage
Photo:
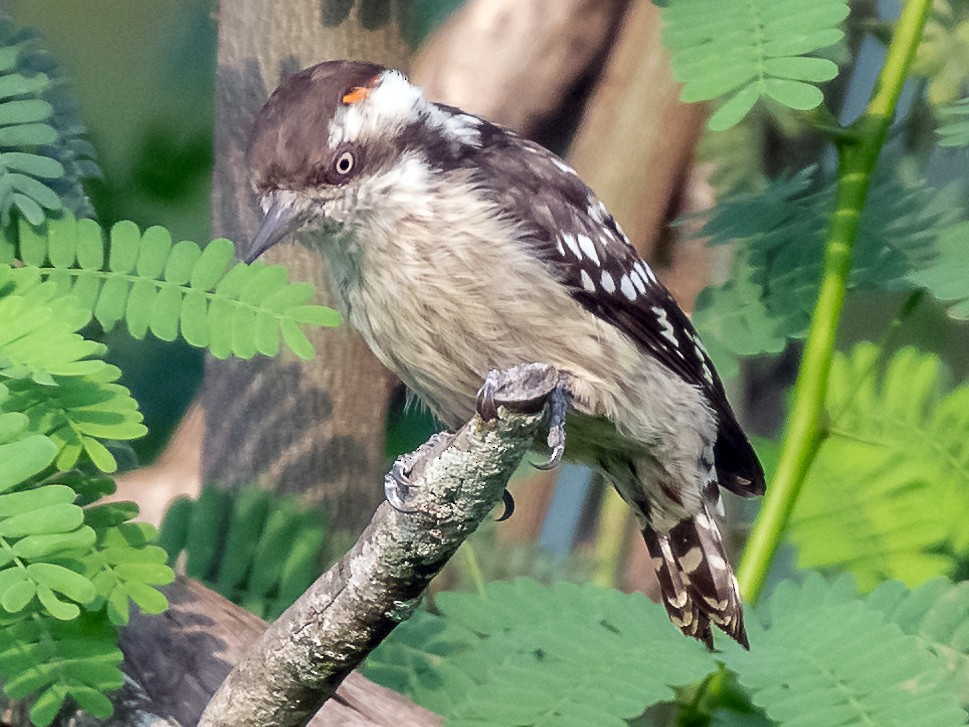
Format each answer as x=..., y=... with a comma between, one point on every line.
x=256, y=549
x=826, y=657
x=948, y=276
x=936, y=614
x=888, y=496
x=43, y=155
x=903, y=243
x=940, y=56
x=509, y=655
x=748, y=51
x=70, y=567
x=171, y=290
x=955, y=128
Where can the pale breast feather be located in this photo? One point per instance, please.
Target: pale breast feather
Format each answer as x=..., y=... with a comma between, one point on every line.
x=569, y=228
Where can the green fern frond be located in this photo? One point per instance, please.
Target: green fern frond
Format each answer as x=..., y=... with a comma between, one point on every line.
x=55, y=377
x=526, y=654
x=43, y=155
x=71, y=149
x=49, y=661
x=954, y=130
x=752, y=50
x=174, y=290
x=821, y=656
x=887, y=494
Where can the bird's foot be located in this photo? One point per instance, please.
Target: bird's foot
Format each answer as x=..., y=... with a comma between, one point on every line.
x=398, y=485
x=527, y=388
x=558, y=405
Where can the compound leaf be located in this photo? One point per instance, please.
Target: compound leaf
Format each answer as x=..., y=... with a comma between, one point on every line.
x=819, y=655
x=742, y=52
x=168, y=290
x=887, y=494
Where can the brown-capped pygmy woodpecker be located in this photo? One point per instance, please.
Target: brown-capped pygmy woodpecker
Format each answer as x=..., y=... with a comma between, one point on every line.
x=457, y=247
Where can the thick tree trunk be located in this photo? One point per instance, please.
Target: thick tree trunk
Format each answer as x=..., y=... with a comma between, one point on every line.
x=315, y=428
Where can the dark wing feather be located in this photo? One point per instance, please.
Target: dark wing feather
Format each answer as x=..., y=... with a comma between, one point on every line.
x=587, y=252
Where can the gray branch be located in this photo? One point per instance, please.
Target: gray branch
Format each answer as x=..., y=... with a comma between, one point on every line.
x=302, y=658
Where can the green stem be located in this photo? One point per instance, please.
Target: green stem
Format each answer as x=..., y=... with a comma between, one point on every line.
x=474, y=568
x=610, y=540
x=857, y=154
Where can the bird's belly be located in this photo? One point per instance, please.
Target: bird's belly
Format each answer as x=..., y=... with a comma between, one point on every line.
x=446, y=372
x=442, y=347
x=441, y=320
x=441, y=354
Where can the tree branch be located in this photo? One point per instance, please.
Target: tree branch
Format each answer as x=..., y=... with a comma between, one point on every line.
x=303, y=657
x=174, y=662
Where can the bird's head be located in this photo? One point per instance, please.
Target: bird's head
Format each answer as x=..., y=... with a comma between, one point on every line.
x=331, y=142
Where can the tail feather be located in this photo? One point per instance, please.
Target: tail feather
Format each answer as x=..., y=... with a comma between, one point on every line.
x=696, y=580
x=680, y=605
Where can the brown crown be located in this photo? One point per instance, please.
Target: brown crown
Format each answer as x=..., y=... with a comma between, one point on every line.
x=289, y=140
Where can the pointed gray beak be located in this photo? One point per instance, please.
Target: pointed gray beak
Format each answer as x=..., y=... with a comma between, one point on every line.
x=280, y=220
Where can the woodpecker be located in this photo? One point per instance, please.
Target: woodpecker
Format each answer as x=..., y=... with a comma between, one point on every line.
x=457, y=247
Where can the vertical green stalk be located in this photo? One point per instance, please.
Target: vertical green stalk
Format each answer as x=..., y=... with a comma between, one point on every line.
x=858, y=152
x=474, y=568
x=610, y=545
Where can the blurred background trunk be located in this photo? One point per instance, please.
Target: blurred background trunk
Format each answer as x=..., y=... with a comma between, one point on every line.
x=309, y=427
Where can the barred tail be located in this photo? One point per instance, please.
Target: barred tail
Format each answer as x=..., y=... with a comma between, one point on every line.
x=696, y=580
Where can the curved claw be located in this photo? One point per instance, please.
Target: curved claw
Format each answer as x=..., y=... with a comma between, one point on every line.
x=397, y=488
x=557, y=406
x=508, y=503
x=485, y=402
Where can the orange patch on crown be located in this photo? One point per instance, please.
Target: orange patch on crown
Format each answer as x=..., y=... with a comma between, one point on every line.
x=360, y=93
x=356, y=95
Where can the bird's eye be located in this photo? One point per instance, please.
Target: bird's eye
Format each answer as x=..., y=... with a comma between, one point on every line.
x=344, y=163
